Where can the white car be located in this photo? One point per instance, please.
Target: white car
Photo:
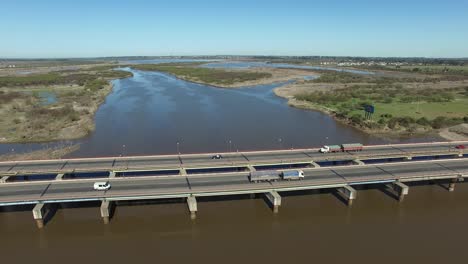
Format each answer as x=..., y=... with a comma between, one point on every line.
x=101, y=186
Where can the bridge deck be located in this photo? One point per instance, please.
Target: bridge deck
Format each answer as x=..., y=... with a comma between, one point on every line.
x=226, y=183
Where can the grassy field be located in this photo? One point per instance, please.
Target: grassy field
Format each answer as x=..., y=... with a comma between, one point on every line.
x=217, y=77
x=443, y=72
x=437, y=69
x=431, y=110
x=401, y=104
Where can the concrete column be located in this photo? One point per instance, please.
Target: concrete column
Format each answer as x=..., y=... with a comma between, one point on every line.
x=451, y=186
x=251, y=168
x=275, y=200
x=349, y=193
x=59, y=177
x=192, y=205
x=408, y=157
x=111, y=174
x=315, y=164
x=183, y=172
x=4, y=179
x=401, y=189
x=358, y=162
x=38, y=214
x=106, y=207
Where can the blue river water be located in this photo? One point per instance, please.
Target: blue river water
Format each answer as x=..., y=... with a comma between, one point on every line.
x=156, y=113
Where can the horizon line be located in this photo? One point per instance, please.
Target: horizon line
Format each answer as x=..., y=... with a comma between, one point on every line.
x=225, y=55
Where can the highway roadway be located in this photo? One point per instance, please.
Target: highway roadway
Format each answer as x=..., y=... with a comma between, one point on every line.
x=229, y=159
x=226, y=183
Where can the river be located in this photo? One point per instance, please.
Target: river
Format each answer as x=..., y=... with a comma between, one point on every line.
x=151, y=112
x=156, y=113
x=428, y=227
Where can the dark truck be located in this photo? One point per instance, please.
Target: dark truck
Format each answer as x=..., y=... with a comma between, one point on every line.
x=342, y=148
x=273, y=175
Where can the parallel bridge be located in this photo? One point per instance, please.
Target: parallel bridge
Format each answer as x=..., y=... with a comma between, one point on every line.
x=44, y=183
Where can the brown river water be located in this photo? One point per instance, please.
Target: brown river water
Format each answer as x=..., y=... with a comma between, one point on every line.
x=150, y=113
x=311, y=227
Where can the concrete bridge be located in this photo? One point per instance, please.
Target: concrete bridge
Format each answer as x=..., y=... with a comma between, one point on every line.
x=44, y=183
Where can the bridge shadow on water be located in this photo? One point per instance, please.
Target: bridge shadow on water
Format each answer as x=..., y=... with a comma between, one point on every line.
x=16, y=208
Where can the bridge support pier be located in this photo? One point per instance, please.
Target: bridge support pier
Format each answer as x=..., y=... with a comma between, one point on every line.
x=39, y=212
x=451, y=186
x=106, y=207
x=358, y=162
x=349, y=193
x=4, y=179
x=408, y=157
x=111, y=174
x=315, y=164
x=401, y=189
x=192, y=206
x=59, y=177
x=183, y=172
x=274, y=199
x=251, y=168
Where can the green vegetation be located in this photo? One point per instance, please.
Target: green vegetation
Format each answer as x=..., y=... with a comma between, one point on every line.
x=25, y=118
x=435, y=69
x=437, y=72
x=340, y=77
x=396, y=107
x=190, y=72
x=62, y=78
x=347, y=77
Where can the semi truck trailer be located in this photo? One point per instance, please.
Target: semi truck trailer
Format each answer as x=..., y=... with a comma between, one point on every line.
x=342, y=148
x=273, y=175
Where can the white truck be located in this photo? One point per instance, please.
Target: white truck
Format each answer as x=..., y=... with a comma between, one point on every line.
x=273, y=175
x=342, y=148
x=292, y=175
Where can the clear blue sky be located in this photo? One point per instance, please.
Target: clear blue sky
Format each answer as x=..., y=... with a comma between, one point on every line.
x=85, y=28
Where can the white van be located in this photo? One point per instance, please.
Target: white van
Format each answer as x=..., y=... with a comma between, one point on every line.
x=101, y=186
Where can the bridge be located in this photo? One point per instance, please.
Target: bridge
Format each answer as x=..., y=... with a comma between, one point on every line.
x=45, y=183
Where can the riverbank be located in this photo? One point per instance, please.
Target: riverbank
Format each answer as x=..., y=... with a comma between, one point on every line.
x=55, y=105
x=227, y=78
x=404, y=106
x=43, y=154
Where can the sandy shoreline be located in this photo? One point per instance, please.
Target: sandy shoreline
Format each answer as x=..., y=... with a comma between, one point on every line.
x=277, y=76
x=50, y=153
